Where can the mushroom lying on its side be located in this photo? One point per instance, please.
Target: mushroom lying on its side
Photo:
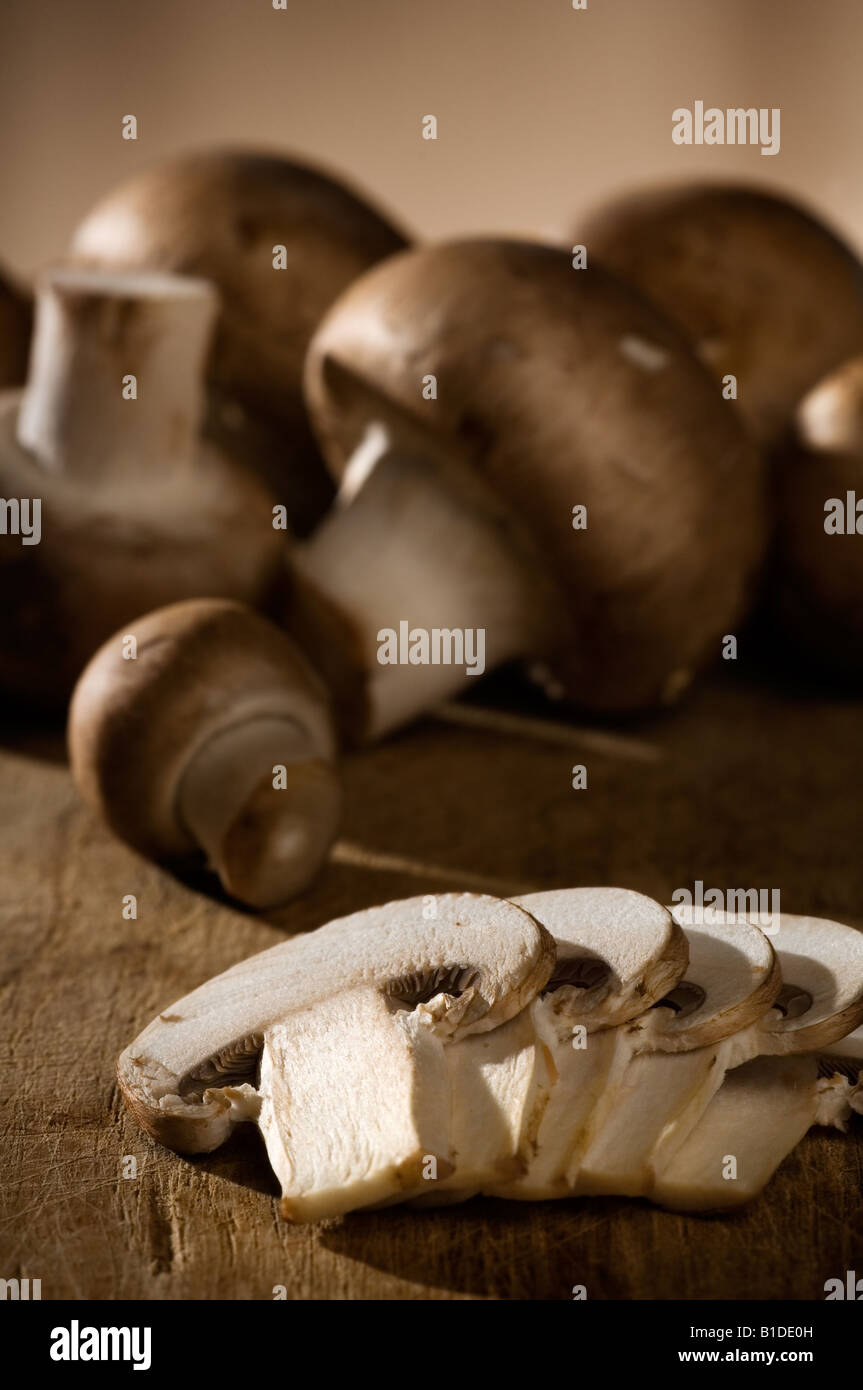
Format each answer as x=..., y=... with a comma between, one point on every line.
x=395, y=970
x=472, y=398
x=762, y=289
x=212, y=735
x=16, y=325
x=126, y=508
x=224, y=215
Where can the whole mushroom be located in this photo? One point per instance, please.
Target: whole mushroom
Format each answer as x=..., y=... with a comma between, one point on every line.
x=16, y=322
x=117, y=504
x=470, y=398
x=223, y=215
x=200, y=728
x=761, y=287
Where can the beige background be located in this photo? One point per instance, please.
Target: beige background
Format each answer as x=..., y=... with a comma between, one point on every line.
x=541, y=109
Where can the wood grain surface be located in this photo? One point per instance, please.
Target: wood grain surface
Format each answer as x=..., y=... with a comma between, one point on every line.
x=744, y=786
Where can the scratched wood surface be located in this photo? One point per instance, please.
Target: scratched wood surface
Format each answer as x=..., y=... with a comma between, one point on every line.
x=744, y=786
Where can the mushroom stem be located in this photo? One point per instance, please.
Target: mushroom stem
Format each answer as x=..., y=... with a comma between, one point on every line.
x=428, y=581
x=81, y=414
x=265, y=840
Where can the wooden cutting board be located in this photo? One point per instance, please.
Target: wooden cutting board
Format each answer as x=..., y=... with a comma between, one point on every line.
x=742, y=787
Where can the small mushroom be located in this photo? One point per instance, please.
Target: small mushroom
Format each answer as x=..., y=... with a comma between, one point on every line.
x=213, y=736
x=816, y=581
x=102, y=450
x=224, y=215
x=455, y=514
x=762, y=289
x=518, y=1093
x=463, y=963
x=16, y=322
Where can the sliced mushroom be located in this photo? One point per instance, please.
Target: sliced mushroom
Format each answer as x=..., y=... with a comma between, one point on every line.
x=517, y=1091
x=821, y=997
x=762, y=289
x=816, y=582
x=224, y=215
x=214, y=735
x=16, y=322
x=492, y=955
x=103, y=444
x=762, y=1110
x=455, y=513
x=354, y=1102
x=845, y=1058
x=665, y=1061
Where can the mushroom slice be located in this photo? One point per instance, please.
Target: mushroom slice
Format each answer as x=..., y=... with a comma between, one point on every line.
x=214, y=736
x=497, y=952
x=732, y=980
x=754, y=1121
x=821, y=1000
x=666, y=1095
x=354, y=1102
x=617, y=953
x=845, y=1058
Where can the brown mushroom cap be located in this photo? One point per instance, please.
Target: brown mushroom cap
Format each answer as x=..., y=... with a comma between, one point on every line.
x=16, y=322
x=761, y=288
x=561, y=387
x=207, y=670
x=816, y=587
x=219, y=215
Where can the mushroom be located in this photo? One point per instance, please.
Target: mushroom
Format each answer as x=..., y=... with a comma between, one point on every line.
x=455, y=515
x=223, y=215
x=518, y=1092
x=761, y=1111
x=16, y=320
x=664, y=1096
x=461, y=963
x=101, y=452
x=762, y=289
x=817, y=577
x=214, y=736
